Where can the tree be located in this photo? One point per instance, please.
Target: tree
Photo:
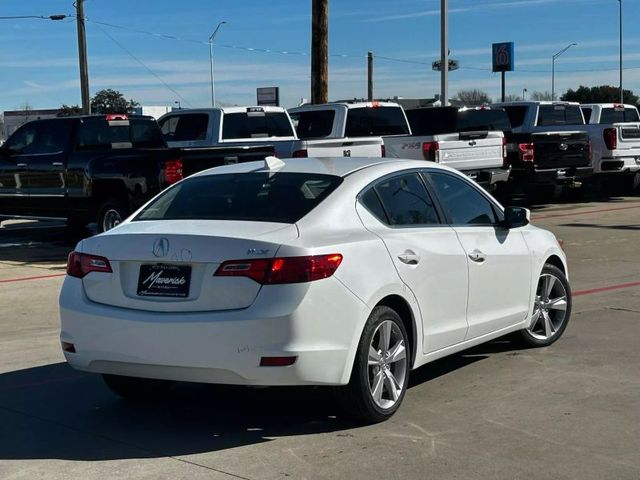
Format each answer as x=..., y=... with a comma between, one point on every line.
x=600, y=94
x=540, y=96
x=69, y=110
x=473, y=97
x=111, y=101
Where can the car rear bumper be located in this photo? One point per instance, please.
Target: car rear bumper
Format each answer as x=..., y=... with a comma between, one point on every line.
x=617, y=164
x=489, y=176
x=559, y=176
x=321, y=331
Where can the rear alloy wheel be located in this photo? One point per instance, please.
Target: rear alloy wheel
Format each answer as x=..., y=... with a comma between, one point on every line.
x=381, y=369
x=110, y=214
x=551, y=308
x=132, y=388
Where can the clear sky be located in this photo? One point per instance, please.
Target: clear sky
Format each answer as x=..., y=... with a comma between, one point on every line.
x=39, y=66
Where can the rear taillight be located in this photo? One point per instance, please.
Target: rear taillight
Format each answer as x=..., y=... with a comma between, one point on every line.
x=81, y=264
x=610, y=138
x=383, y=151
x=173, y=171
x=527, y=153
x=504, y=147
x=275, y=271
x=300, y=153
x=430, y=151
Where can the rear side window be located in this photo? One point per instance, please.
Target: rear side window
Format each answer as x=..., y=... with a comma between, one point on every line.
x=553, y=115
x=185, y=127
x=372, y=202
x=406, y=201
x=256, y=196
x=586, y=113
x=464, y=204
x=375, y=122
x=619, y=115
x=96, y=133
x=313, y=124
x=256, y=124
x=516, y=114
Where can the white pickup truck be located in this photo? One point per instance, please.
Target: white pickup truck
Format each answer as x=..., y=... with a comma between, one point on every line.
x=614, y=130
x=251, y=127
x=475, y=153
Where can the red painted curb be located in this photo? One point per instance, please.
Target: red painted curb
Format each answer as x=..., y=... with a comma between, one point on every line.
x=11, y=280
x=605, y=289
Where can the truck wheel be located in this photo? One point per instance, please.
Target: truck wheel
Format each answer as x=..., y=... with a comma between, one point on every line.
x=111, y=213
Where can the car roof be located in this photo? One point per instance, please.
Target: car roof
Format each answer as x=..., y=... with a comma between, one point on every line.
x=242, y=109
x=529, y=103
x=338, y=166
x=348, y=105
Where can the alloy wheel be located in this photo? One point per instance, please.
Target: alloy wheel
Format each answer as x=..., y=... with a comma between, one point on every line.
x=387, y=364
x=549, y=309
x=112, y=218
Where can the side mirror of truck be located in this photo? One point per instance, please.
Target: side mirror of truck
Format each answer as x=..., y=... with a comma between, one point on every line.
x=515, y=217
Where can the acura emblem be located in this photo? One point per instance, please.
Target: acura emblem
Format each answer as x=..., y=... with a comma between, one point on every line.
x=161, y=247
x=564, y=147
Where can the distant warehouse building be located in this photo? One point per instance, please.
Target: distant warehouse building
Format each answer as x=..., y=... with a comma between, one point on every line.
x=13, y=119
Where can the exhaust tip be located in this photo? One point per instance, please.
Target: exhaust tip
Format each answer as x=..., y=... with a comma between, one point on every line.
x=68, y=347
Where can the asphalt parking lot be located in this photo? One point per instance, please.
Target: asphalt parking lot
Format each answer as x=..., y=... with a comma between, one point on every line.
x=570, y=411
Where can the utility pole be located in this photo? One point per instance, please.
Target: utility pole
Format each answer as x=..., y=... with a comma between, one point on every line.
x=370, y=76
x=444, y=52
x=82, y=54
x=320, y=51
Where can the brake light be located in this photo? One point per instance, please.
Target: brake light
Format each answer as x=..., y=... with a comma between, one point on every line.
x=527, y=152
x=430, y=151
x=383, y=151
x=610, y=138
x=173, y=171
x=282, y=270
x=81, y=264
x=303, y=153
x=116, y=116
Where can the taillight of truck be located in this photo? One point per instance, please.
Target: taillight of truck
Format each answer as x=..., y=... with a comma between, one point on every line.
x=504, y=147
x=610, y=138
x=527, y=153
x=430, y=151
x=173, y=171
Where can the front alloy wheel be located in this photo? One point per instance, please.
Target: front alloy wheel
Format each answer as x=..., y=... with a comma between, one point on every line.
x=551, y=308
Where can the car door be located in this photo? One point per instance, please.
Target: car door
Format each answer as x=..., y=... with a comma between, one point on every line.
x=499, y=260
x=46, y=163
x=426, y=253
x=14, y=195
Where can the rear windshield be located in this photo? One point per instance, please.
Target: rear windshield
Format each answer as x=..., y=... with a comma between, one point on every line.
x=376, y=121
x=256, y=124
x=97, y=133
x=516, y=114
x=434, y=121
x=553, y=115
x=185, y=127
x=314, y=123
x=255, y=196
x=619, y=115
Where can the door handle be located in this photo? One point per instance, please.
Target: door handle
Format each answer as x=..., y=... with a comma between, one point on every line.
x=409, y=257
x=477, y=256
x=57, y=164
x=21, y=165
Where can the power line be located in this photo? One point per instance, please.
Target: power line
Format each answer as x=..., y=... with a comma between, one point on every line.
x=145, y=66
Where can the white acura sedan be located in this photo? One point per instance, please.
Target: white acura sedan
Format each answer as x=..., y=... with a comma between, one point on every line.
x=346, y=272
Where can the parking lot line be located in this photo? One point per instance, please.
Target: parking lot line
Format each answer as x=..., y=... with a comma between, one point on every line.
x=23, y=279
x=605, y=289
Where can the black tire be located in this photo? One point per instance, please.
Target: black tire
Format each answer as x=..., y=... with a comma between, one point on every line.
x=132, y=388
x=356, y=398
x=111, y=212
x=533, y=335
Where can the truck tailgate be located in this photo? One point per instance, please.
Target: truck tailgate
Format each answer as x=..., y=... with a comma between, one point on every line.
x=198, y=159
x=561, y=149
x=629, y=135
x=468, y=153
x=343, y=147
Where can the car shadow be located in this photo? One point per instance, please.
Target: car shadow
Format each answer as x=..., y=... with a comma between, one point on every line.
x=54, y=412
x=606, y=227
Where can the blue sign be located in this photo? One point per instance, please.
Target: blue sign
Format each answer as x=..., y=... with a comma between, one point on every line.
x=503, y=57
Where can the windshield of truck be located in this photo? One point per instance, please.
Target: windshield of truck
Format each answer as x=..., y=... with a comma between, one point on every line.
x=376, y=122
x=255, y=196
x=256, y=124
x=619, y=115
x=314, y=123
x=185, y=127
x=554, y=115
x=99, y=134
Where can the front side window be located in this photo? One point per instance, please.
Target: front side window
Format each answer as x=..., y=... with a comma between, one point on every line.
x=464, y=204
x=255, y=196
x=23, y=139
x=41, y=137
x=406, y=201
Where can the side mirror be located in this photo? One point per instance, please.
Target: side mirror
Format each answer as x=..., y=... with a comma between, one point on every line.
x=515, y=217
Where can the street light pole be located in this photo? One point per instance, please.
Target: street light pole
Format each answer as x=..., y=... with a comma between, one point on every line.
x=213, y=88
x=524, y=90
x=444, y=52
x=621, y=91
x=553, y=69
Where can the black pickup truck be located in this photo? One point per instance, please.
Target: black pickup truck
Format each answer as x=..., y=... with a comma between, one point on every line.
x=97, y=168
x=548, y=144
